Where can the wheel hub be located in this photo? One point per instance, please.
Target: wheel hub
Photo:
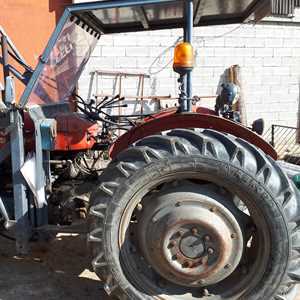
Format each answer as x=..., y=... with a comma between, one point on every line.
x=192, y=247
x=190, y=238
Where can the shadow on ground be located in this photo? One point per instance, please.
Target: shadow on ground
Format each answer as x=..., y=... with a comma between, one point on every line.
x=58, y=271
x=55, y=271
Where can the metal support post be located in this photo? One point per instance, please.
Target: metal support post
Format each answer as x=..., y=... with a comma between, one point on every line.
x=182, y=95
x=188, y=37
x=19, y=190
x=17, y=160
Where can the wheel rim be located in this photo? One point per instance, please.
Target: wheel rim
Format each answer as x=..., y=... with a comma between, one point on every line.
x=200, y=241
x=136, y=257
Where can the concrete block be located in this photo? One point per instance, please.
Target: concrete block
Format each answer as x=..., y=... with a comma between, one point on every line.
x=113, y=51
x=264, y=52
x=272, y=61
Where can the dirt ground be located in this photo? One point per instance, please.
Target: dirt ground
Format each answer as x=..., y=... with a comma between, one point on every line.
x=59, y=272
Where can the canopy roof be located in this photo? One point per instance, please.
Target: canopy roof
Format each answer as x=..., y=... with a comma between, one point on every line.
x=133, y=15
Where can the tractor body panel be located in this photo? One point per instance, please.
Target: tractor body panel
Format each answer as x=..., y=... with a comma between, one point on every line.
x=189, y=120
x=75, y=132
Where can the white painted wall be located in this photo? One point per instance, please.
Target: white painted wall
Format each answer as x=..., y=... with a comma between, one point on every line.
x=269, y=56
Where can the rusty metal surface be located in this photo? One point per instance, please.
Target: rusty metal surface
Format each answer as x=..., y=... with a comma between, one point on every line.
x=75, y=132
x=188, y=237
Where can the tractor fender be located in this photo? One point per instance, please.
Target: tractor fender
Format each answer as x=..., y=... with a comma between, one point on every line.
x=189, y=120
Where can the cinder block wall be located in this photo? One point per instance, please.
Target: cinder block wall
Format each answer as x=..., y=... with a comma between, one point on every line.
x=268, y=55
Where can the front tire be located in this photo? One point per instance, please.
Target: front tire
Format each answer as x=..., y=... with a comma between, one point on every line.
x=195, y=215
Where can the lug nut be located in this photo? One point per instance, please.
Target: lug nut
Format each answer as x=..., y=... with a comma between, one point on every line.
x=175, y=257
x=179, y=233
x=201, y=260
x=213, y=209
x=194, y=231
x=207, y=238
x=233, y=236
x=172, y=244
x=139, y=207
x=187, y=264
x=210, y=251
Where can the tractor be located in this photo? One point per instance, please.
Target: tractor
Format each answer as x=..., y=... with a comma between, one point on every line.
x=186, y=204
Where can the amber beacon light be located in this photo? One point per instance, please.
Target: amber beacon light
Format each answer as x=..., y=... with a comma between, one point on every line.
x=183, y=57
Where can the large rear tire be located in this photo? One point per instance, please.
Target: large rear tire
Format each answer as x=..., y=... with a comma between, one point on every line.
x=195, y=214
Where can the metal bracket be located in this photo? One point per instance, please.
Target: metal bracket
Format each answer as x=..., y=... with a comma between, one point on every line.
x=48, y=128
x=10, y=95
x=199, y=11
x=143, y=17
x=45, y=132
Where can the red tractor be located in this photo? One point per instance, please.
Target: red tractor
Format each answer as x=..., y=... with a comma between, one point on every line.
x=192, y=205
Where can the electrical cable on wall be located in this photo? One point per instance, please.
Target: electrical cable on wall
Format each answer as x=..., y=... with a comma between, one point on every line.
x=199, y=39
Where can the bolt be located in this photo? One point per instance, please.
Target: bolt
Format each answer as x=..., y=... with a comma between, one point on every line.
x=175, y=257
x=139, y=207
x=201, y=281
x=201, y=260
x=210, y=251
x=194, y=231
x=187, y=264
x=178, y=204
x=172, y=244
x=82, y=215
x=207, y=238
x=154, y=220
x=228, y=266
x=180, y=233
x=213, y=209
x=233, y=236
